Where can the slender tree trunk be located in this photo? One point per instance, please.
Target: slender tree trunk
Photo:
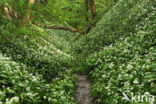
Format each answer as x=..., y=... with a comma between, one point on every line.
x=9, y=12
x=87, y=9
x=28, y=18
x=1, y=9
x=12, y=14
x=93, y=8
x=44, y=2
x=29, y=11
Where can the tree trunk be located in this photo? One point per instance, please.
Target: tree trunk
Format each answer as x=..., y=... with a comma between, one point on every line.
x=8, y=12
x=28, y=18
x=31, y=1
x=87, y=9
x=93, y=8
x=44, y=2
x=29, y=11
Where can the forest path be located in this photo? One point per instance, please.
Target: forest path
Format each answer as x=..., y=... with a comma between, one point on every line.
x=83, y=95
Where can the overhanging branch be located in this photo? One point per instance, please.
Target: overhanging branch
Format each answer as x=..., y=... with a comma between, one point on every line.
x=61, y=28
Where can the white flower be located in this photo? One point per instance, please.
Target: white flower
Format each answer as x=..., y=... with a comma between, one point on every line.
x=14, y=99
x=31, y=95
x=126, y=75
x=49, y=99
x=54, y=100
x=147, y=93
x=127, y=84
x=103, y=76
x=62, y=92
x=44, y=97
x=62, y=97
x=119, y=76
x=111, y=65
x=34, y=78
x=7, y=101
x=129, y=66
x=1, y=93
x=28, y=89
x=136, y=81
x=126, y=50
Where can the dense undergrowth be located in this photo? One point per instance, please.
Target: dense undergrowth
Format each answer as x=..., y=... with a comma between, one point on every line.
x=118, y=21
x=19, y=86
x=127, y=66
x=120, y=53
x=33, y=47
x=35, y=66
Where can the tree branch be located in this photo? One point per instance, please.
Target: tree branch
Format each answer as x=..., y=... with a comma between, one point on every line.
x=61, y=28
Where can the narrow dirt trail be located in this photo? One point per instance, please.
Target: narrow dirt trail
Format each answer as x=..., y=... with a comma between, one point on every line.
x=83, y=95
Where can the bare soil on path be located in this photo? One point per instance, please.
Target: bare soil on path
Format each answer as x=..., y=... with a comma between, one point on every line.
x=83, y=95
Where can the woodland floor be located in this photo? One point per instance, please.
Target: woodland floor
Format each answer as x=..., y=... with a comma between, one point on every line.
x=83, y=95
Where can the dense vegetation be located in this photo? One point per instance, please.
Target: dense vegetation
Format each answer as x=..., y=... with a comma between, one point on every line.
x=37, y=64
x=120, y=52
x=29, y=62
x=127, y=66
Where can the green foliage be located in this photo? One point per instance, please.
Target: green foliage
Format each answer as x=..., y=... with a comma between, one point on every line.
x=126, y=66
x=19, y=86
x=37, y=70
x=119, y=21
x=18, y=9
x=17, y=83
x=29, y=46
x=61, y=39
x=69, y=13
x=35, y=63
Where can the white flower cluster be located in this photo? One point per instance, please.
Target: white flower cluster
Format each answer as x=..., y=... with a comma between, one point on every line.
x=19, y=77
x=13, y=100
x=15, y=73
x=128, y=65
